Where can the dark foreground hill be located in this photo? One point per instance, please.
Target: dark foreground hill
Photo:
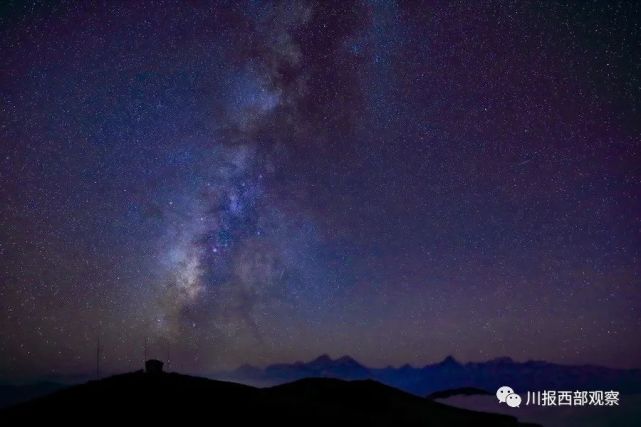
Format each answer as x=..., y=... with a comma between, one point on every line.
x=180, y=398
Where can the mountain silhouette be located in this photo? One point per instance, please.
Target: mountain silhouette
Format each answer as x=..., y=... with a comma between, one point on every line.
x=11, y=394
x=463, y=391
x=167, y=397
x=448, y=374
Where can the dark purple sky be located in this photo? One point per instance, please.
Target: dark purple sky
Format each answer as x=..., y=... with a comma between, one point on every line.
x=254, y=182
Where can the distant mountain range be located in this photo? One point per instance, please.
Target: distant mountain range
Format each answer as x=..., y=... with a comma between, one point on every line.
x=448, y=374
x=11, y=394
x=177, y=399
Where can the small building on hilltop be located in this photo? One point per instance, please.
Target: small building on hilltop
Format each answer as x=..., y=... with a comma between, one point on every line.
x=153, y=366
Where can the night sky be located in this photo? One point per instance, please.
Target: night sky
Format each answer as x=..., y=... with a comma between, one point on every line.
x=266, y=182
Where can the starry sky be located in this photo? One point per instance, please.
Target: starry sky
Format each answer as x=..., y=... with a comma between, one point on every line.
x=255, y=182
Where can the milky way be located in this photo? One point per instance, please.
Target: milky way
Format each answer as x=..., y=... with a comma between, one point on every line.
x=259, y=182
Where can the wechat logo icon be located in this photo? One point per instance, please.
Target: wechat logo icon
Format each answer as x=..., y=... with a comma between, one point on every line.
x=506, y=395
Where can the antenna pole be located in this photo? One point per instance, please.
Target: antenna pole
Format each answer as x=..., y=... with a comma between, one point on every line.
x=98, y=358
